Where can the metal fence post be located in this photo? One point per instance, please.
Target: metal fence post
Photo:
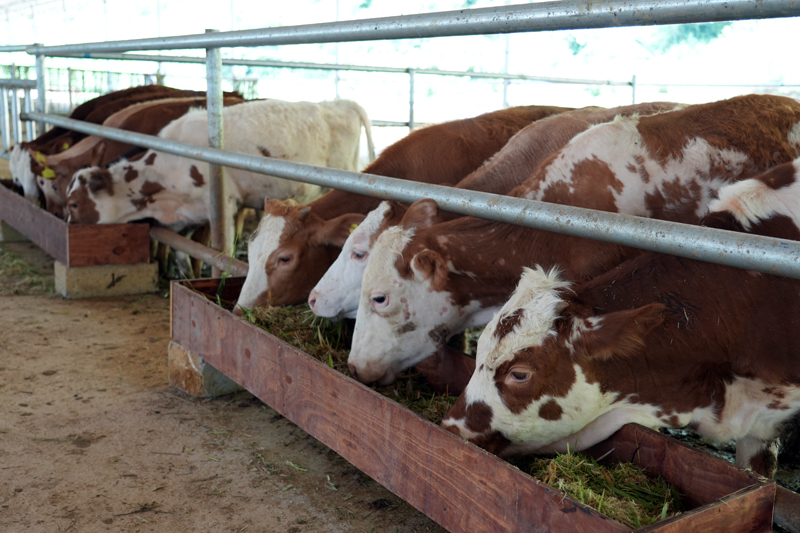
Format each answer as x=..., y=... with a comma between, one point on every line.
x=4, y=119
x=411, y=72
x=41, y=90
x=15, y=122
x=219, y=219
x=29, y=135
x=633, y=89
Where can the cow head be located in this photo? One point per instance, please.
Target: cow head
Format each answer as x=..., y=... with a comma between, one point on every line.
x=289, y=252
x=535, y=388
x=20, y=163
x=86, y=194
x=405, y=310
x=337, y=293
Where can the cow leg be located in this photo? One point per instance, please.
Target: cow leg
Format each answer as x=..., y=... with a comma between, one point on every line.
x=447, y=371
x=201, y=235
x=759, y=455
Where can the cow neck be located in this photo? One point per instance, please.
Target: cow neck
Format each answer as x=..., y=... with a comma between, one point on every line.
x=337, y=203
x=708, y=337
x=496, y=252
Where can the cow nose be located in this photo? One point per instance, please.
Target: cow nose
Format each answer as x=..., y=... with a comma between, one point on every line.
x=353, y=371
x=238, y=311
x=312, y=299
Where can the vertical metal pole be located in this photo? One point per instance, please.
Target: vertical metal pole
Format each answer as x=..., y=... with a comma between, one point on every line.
x=41, y=89
x=506, y=81
x=15, y=108
x=220, y=220
x=411, y=99
x=4, y=119
x=69, y=87
x=29, y=135
x=633, y=89
x=15, y=116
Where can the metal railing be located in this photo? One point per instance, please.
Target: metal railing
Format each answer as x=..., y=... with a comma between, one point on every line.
x=745, y=251
x=10, y=122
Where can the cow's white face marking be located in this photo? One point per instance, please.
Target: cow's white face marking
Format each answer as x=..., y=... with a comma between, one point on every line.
x=338, y=292
x=401, y=322
x=262, y=244
x=19, y=163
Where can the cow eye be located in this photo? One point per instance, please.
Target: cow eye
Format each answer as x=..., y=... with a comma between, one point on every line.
x=519, y=376
x=74, y=205
x=55, y=187
x=357, y=254
x=379, y=300
x=284, y=259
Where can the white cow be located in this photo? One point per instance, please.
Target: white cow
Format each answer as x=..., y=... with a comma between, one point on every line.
x=174, y=190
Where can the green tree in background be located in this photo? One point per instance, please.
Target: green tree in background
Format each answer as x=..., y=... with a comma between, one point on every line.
x=691, y=34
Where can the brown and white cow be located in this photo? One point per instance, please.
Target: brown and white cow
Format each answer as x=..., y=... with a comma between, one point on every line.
x=295, y=245
x=339, y=290
x=174, y=191
x=25, y=166
x=149, y=117
x=660, y=340
x=419, y=288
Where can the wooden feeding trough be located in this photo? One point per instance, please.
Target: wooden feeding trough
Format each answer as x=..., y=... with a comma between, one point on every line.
x=91, y=259
x=458, y=485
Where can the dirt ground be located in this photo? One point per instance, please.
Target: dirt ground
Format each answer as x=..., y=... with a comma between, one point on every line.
x=93, y=439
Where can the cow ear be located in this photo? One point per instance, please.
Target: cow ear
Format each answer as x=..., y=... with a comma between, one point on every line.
x=428, y=264
x=335, y=231
x=38, y=160
x=98, y=152
x=422, y=214
x=618, y=334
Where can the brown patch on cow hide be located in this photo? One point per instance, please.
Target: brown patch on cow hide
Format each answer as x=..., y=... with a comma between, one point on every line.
x=780, y=176
x=408, y=327
x=590, y=185
x=550, y=410
x=148, y=190
x=439, y=334
x=100, y=180
x=552, y=374
x=197, y=176
x=150, y=159
x=639, y=168
x=675, y=201
x=130, y=174
x=507, y=324
x=765, y=462
x=82, y=208
x=264, y=151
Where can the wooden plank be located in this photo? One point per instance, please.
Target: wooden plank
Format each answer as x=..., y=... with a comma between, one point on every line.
x=76, y=245
x=787, y=509
x=700, y=476
x=45, y=230
x=747, y=510
x=458, y=485
x=108, y=244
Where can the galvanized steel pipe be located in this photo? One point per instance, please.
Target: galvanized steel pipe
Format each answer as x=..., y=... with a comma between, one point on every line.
x=328, y=66
x=15, y=122
x=219, y=261
x=41, y=92
x=763, y=254
x=218, y=218
x=14, y=83
x=4, y=138
x=548, y=16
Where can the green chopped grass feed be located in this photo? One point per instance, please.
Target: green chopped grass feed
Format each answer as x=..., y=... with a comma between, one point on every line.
x=18, y=277
x=623, y=491
x=328, y=341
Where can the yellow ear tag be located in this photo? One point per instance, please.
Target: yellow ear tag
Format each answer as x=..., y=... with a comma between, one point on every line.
x=48, y=173
x=40, y=157
x=65, y=146
x=353, y=227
